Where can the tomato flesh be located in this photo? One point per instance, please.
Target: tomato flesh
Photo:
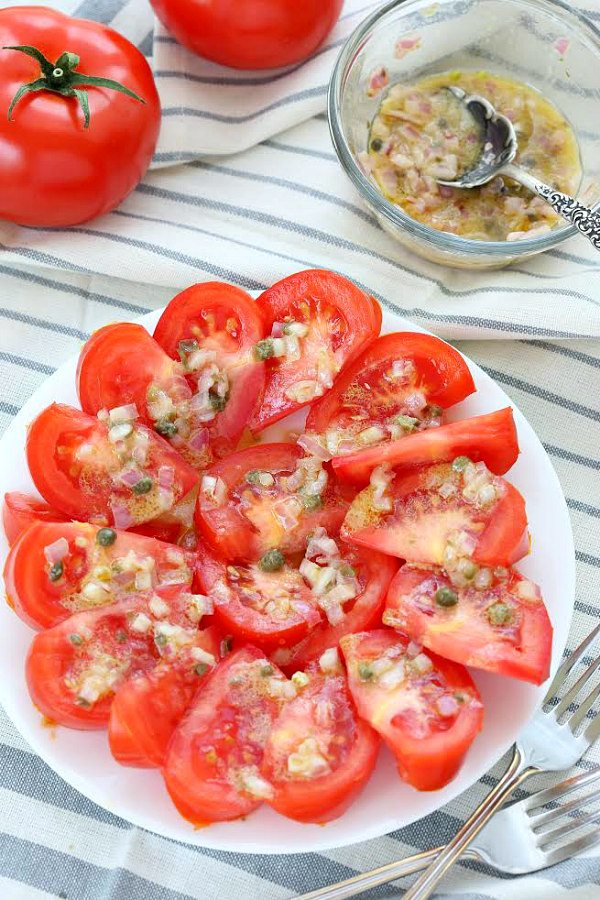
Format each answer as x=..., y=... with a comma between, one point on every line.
x=407, y=375
x=502, y=627
x=92, y=575
x=147, y=709
x=491, y=438
x=19, y=511
x=77, y=468
x=339, y=322
x=427, y=709
x=319, y=754
x=251, y=518
x=214, y=757
x=423, y=524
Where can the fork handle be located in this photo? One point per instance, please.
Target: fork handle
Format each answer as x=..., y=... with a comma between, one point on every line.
x=517, y=772
x=582, y=217
x=376, y=877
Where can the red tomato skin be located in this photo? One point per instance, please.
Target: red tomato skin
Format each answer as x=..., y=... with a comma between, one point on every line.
x=249, y=34
x=491, y=438
x=198, y=795
x=37, y=600
x=428, y=764
x=49, y=658
x=19, y=511
x=364, y=614
x=323, y=799
x=60, y=422
x=146, y=709
x=53, y=171
x=329, y=290
x=443, y=375
x=528, y=659
x=229, y=533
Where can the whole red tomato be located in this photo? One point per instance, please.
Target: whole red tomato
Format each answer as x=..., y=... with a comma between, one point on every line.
x=250, y=34
x=74, y=144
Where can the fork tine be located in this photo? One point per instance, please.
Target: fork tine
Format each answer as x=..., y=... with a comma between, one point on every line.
x=568, y=664
x=572, y=693
x=573, y=848
x=541, y=798
x=568, y=828
x=593, y=730
x=578, y=717
x=552, y=814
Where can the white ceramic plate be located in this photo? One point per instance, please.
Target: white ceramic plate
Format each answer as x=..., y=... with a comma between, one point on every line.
x=84, y=761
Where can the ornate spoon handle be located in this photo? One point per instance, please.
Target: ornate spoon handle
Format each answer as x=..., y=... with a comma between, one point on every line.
x=582, y=217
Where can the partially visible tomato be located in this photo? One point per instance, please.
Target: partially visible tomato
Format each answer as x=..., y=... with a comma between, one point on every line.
x=147, y=708
x=249, y=34
x=398, y=387
x=497, y=621
x=441, y=514
x=319, y=754
x=267, y=609
x=19, y=511
x=491, y=438
x=318, y=322
x=374, y=572
x=46, y=583
x=427, y=709
x=92, y=472
x=212, y=768
x=55, y=171
x=268, y=496
x=74, y=668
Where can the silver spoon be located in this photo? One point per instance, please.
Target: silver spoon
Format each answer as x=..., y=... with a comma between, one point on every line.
x=499, y=149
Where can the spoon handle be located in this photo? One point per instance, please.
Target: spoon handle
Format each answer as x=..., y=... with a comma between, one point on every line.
x=582, y=217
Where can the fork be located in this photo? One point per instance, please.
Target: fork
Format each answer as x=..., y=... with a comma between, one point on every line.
x=517, y=840
x=554, y=740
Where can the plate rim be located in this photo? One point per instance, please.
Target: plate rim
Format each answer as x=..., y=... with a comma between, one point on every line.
x=202, y=838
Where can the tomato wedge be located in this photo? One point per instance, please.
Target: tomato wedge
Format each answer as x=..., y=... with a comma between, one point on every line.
x=212, y=768
x=491, y=438
x=374, y=572
x=427, y=709
x=74, y=668
x=318, y=321
x=267, y=609
x=55, y=569
x=440, y=515
x=147, y=709
x=397, y=388
x=122, y=475
x=497, y=621
x=265, y=497
x=19, y=511
x=319, y=754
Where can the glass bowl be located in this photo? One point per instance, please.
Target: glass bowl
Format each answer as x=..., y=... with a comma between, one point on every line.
x=520, y=39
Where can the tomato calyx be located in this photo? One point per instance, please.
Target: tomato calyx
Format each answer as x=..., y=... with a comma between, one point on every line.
x=61, y=77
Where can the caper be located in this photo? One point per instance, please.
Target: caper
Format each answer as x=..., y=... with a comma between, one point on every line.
x=406, y=423
x=217, y=403
x=253, y=476
x=56, y=571
x=460, y=463
x=499, y=613
x=365, y=672
x=106, y=537
x=76, y=639
x=200, y=668
x=271, y=561
x=144, y=486
x=445, y=596
x=311, y=502
x=266, y=671
x=264, y=349
x=376, y=145
x=165, y=427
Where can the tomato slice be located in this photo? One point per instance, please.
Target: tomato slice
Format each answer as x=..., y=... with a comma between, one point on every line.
x=440, y=515
x=397, y=388
x=80, y=469
x=427, y=709
x=319, y=754
x=374, y=572
x=491, y=438
x=267, y=609
x=147, y=709
x=322, y=321
x=242, y=518
x=46, y=582
x=19, y=511
x=212, y=769
x=497, y=621
x=73, y=668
